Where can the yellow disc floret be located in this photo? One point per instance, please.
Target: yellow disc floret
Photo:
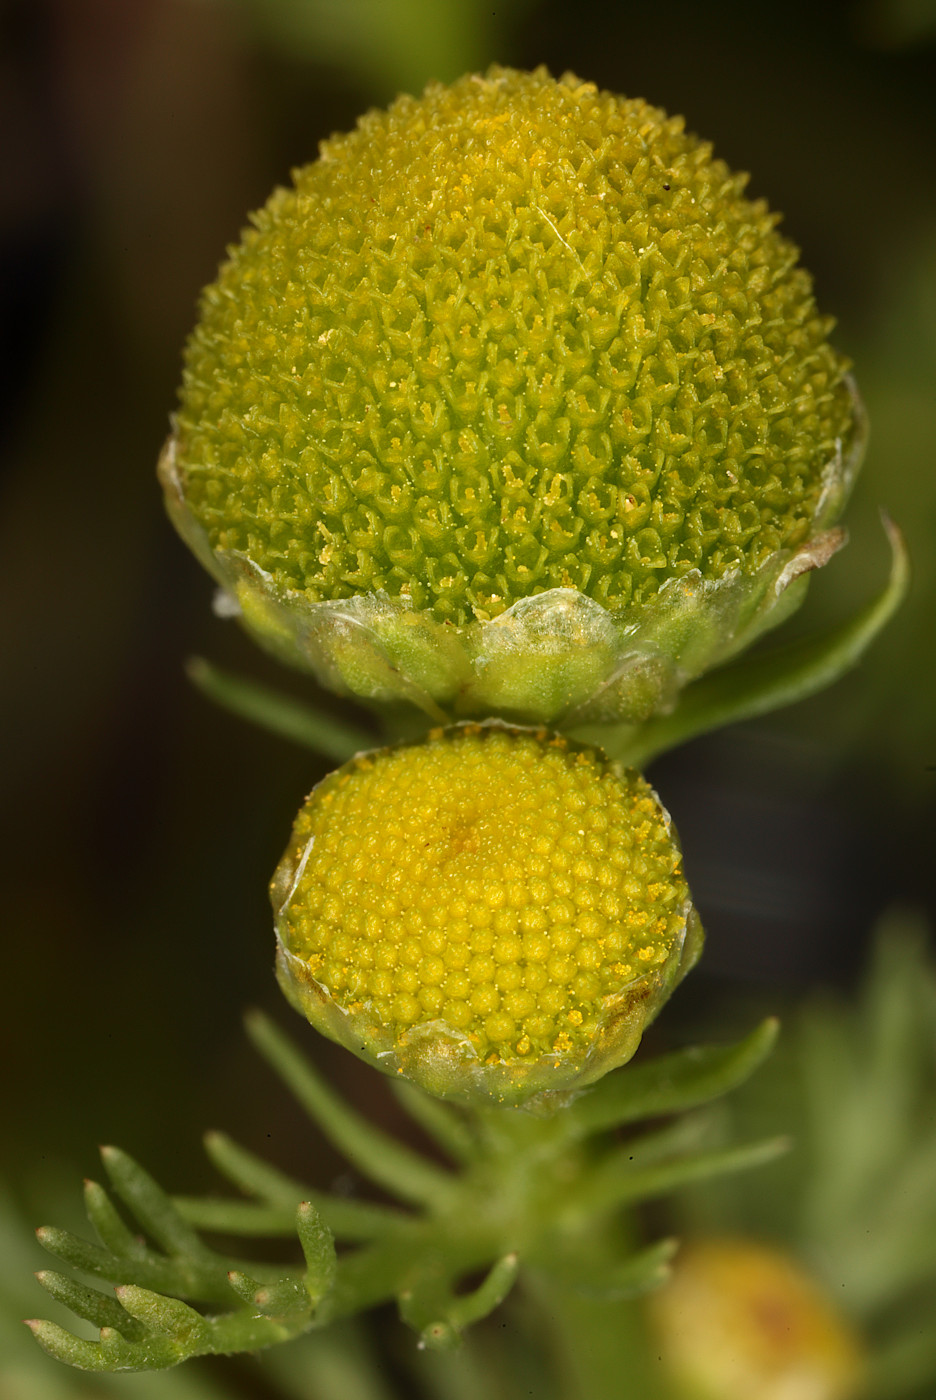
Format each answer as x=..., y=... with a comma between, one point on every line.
x=492, y=905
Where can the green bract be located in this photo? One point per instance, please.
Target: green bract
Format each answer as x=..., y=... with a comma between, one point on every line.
x=513, y=404
x=494, y=913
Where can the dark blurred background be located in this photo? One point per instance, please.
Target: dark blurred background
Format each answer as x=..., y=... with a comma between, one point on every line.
x=140, y=825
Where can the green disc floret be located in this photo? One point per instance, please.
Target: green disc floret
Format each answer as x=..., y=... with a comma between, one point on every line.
x=494, y=907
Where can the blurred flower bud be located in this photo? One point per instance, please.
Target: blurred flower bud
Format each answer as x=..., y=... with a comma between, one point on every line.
x=513, y=404
x=495, y=913
x=738, y=1321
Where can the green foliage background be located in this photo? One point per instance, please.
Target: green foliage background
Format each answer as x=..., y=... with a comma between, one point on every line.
x=140, y=825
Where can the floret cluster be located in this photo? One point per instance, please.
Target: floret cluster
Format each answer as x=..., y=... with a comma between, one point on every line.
x=503, y=882
x=514, y=335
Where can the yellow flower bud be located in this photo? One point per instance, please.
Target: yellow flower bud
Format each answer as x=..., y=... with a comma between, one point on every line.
x=513, y=404
x=740, y=1321
x=495, y=913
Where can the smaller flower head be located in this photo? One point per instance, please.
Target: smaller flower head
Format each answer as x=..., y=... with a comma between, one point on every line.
x=739, y=1321
x=495, y=913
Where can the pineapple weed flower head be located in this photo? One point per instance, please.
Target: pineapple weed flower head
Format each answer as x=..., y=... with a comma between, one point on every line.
x=514, y=407
x=739, y=1319
x=495, y=913
x=513, y=404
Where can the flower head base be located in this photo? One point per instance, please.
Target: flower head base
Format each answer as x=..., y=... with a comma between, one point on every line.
x=514, y=404
x=495, y=913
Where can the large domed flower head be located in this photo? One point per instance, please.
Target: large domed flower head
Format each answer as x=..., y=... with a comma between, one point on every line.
x=514, y=403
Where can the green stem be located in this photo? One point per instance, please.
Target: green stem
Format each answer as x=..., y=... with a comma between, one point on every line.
x=599, y=1347
x=335, y=1364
